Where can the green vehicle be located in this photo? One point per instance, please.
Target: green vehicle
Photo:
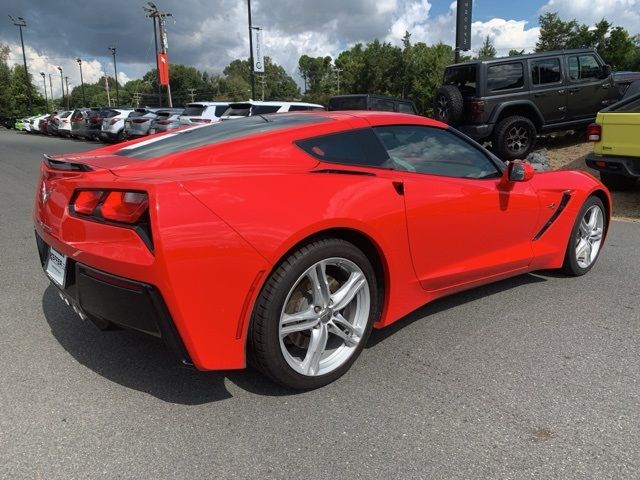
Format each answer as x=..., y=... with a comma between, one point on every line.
x=19, y=125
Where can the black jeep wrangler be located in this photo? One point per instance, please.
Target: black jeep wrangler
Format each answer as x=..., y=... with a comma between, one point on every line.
x=509, y=100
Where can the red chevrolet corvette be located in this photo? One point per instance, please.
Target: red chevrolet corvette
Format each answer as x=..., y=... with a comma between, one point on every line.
x=284, y=239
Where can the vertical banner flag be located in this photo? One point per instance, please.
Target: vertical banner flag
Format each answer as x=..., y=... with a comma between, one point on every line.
x=163, y=63
x=258, y=57
x=463, y=25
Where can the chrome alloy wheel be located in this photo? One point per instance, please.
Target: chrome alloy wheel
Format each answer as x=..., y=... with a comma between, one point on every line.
x=517, y=139
x=589, y=237
x=443, y=108
x=324, y=316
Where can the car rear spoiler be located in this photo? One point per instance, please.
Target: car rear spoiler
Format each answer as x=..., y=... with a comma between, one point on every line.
x=65, y=165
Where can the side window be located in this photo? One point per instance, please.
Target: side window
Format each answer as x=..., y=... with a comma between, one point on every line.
x=545, y=71
x=298, y=108
x=353, y=147
x=434, y=151
x=405, y=108
x=505, y=76
x=583, y=67
x=382, y=105
x=220, y=109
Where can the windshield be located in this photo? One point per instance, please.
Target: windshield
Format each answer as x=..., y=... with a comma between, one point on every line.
x=194, y=110
x=215, y=133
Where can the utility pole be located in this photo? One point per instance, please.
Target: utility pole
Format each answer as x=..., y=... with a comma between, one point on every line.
x=51, y=91
x=106, y=86
x=66, y=80
x=262, y=80
x=21, y=22
x=61, y=87
x=253, y=78
x=164, y=47
x=192, y=94
x=44, y=81
x=152, y=11
x=338, y=70
x=137, y=96
x=84, y=100
x=115, y=69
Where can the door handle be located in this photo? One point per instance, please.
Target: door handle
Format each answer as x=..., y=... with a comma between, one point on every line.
x=574, y=90
x=539, y=94
x=606, y=85
x=562, y=92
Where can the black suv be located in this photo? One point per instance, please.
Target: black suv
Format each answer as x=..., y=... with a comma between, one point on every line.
x=510, y=100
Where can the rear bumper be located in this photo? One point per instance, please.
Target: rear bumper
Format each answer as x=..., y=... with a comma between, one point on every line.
x=626, y=166
x=104, y=298
x=477, y=132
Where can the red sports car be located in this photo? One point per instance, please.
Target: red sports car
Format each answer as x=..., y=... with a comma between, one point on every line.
x=284, y=239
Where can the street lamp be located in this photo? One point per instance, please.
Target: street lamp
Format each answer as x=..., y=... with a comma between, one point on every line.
x=61, y=85
x=66, y=81
x=115, y=68
x=253, y=77
x=51, y=90
x=44, y=81
x=21, y=22
x=84, y=100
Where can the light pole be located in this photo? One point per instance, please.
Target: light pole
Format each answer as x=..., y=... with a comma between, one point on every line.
x=84, y=100
x=338, y=70
x=115, y=69
x=152, y=12
x=51, y=91
x=61, y=86
x=253, y=79
x=21, y=22
x=66, y=81
x=44, y=81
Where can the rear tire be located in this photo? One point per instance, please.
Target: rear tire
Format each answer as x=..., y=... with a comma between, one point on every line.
x=513, y=138
x=314, y=314
x=614, y=181
x=448, y=106
x=585, y=241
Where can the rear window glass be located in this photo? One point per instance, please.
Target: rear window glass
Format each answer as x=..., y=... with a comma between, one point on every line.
x=505, y=77
x=545, y=71
x=65, y=114
x=215, y=133
x=382, y=105
x=264, y=109
x=220, y=109
x=355, y=103
x=194, y=110
x=301, y=108
x=238, y=110
x=354, y=147
x=138, y=113
x=406, y=108
x=463, y=77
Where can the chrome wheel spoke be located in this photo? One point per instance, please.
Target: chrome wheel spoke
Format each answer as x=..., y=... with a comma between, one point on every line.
x=348, y=291
x=344, y=330
x=595, y=235
x=317, y=344
x=298, y=322
x=320, y=284
x=582, y=248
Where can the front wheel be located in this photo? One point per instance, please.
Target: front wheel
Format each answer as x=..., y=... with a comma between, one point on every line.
x=314, y=314
x=586, y=238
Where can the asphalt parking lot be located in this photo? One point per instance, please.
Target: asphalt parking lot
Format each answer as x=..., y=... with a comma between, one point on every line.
x=533, y=377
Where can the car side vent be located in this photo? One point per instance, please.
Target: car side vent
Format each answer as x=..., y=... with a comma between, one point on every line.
x=338, y=171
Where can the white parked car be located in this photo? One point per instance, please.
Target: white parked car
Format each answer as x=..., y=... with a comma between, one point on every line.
x=255, y=107
x=63, y=123
x=112, y=129
x=203, y=112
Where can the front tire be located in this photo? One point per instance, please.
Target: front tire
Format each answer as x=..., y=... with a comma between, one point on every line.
x=586, y=238
x=314, y=314
x=614, y=181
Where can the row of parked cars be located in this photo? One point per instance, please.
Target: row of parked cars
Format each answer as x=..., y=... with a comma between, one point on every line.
x=112, y=124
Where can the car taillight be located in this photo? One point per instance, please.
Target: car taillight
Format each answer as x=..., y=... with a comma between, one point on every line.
x=163, y=122
x=86, y=201
x=115, y=205
x=114, y=121
x=139, y=120
x=594, y=132
x=477, y=106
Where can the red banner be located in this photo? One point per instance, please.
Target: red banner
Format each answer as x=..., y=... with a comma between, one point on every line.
x=163, y=63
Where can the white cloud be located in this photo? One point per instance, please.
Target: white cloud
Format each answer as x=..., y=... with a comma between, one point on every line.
x=505, y=34
x=625, y=13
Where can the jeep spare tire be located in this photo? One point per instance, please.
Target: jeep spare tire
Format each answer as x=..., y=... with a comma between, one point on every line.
x=447, y=105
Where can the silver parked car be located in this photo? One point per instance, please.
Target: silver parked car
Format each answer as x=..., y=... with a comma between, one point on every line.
x=138, y=122
x=166, y=119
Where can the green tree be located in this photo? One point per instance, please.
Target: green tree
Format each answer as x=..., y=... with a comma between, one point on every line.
x=488, y=50
x=513, y=52
x=555, y=34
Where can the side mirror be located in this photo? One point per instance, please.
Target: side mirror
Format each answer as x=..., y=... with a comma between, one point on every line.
x=519, y=171
x=606, y=71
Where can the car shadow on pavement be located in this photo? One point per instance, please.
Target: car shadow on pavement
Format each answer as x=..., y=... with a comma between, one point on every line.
x=143, y=363
x=453, y=301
